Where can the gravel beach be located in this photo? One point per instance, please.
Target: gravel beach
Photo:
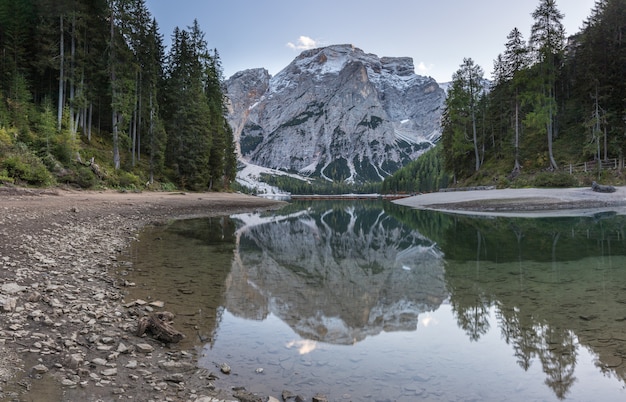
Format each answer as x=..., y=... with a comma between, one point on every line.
x=66, y=332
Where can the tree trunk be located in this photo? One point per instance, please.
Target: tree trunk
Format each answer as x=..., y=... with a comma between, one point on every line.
x=90, y=121
x=139, y=120
x=550, y=128
x=516, y=167
x=151, y=135
x=61, y=77
x=72, y=77
x=114, y=112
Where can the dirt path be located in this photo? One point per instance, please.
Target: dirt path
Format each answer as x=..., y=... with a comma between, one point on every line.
x=65, y=334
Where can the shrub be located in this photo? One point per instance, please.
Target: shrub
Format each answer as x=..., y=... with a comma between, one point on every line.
x=126, y=180
x=555, y=179
x=26, y=167
x=6, y=138
x=4, y=177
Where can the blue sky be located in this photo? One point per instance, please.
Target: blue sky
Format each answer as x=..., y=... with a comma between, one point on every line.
x=437, y=34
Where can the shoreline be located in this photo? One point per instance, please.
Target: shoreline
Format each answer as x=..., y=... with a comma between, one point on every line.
x=65, y=331
x=527, y=202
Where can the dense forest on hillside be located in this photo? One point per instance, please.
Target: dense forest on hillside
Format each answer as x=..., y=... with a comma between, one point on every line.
x=554, y=115
x=88, y=97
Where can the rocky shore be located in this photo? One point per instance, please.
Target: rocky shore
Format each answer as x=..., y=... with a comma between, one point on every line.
x=66, y=334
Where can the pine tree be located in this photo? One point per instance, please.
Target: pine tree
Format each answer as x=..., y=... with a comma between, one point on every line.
x=461, y=113
x=599, y=59
x=188, y=114
x=547, y=44
x=509, y=78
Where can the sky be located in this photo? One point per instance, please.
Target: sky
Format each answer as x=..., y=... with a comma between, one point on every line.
x=437, y=34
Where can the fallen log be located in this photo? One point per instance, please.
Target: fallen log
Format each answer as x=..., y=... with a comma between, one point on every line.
x=160, y=326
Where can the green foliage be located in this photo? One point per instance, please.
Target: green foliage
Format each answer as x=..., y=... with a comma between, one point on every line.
x=373, y=122
x=425, y=174
x=88, y=78
x=249, y=143
x=365, y=169
x=6, y=138
x=560, y=179
x=79, y=176
x=549, y=106
x=126, y=180
x=4, y=177
x=24, y=167
x=316, y=186
x=338, y=170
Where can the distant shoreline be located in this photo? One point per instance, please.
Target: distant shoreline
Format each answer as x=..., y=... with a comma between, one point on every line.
x=527, y=202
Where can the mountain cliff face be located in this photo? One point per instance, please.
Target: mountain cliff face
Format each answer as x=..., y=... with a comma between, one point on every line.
x=337, y=113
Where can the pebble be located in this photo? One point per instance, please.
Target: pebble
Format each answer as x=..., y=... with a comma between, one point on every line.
x=40, y=369
x=144, y=348
x=132, y=364
x=99, y=361
x=109, y=372
x=225, y=368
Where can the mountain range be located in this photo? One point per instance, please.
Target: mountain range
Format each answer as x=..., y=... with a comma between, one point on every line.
x=335, y=113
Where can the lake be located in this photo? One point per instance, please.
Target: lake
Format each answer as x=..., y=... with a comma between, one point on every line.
x=369, y=301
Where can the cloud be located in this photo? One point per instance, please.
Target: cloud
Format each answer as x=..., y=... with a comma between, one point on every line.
x=303, y=43
x=304, y=346
x=423, y=69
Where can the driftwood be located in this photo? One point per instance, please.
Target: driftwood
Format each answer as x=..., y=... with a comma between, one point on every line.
x=96, y=168
x=599, y=188
x=160, y=326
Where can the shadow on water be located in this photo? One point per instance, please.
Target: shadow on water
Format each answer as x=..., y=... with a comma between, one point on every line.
x=360, y=286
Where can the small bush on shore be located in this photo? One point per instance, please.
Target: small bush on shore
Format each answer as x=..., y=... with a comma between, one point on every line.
x=555, y=179
x=23, y=166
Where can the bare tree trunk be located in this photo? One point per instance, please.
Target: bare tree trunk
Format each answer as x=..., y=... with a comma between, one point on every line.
x=90, y=121
x=61, y=77
x=151, y=134
x=550, y=128
x=114, y=112
x=72, y=77
x=516, y=167
x=139, y=120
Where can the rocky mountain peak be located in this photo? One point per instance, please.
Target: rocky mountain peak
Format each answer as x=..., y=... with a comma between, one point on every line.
x=335, y=112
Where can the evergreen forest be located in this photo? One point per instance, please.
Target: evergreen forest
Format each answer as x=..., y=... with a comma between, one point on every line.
x=89, y=97
x=554, y=114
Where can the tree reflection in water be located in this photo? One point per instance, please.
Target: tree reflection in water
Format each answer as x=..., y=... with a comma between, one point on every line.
x=348, y=274
x=562, y=293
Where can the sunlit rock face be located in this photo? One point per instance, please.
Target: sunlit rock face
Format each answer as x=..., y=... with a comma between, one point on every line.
x=335, y=275
x=337, y=113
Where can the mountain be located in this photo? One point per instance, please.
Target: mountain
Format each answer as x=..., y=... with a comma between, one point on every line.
x=335, y=112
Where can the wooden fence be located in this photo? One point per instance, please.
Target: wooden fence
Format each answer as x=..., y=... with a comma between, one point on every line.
x=592, y=166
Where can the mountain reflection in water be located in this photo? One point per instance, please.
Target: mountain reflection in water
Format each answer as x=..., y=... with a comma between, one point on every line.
x=543, y=297
x=335, y=273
